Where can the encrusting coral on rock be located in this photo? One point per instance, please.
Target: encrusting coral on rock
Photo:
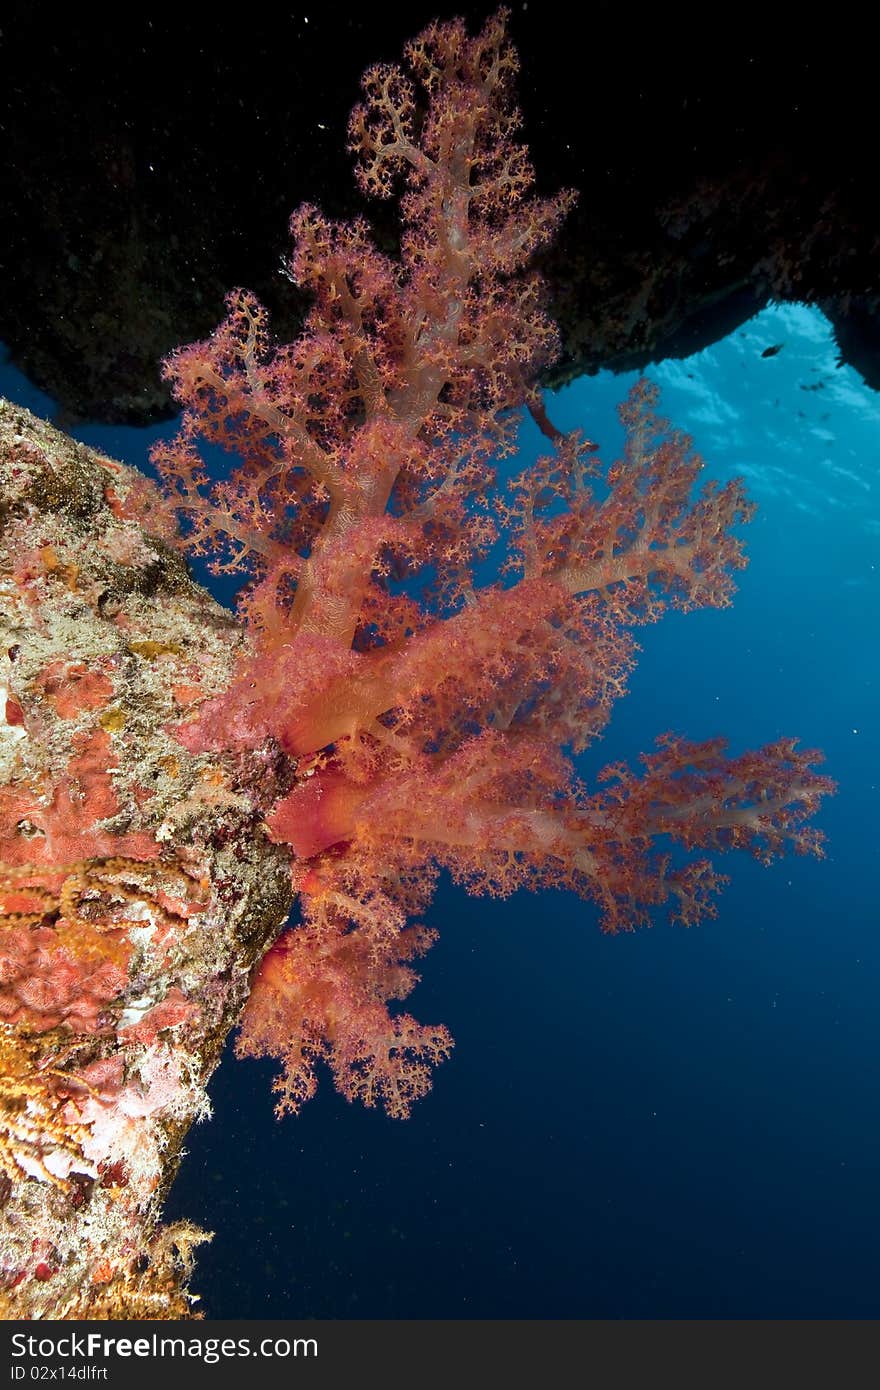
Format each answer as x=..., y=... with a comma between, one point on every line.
x=136, y=890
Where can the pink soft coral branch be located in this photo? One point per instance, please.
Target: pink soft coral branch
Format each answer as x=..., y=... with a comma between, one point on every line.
x=421, y=709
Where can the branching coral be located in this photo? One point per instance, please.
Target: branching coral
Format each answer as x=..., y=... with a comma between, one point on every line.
x=32, y=1125
x=427, y=705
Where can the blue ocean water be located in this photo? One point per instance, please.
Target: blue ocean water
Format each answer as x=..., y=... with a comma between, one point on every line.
x=669, y=1123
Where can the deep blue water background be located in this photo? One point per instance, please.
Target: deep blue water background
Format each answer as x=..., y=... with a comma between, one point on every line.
x=671, y=1123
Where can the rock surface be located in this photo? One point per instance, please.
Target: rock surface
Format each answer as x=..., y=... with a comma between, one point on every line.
x=137, y=889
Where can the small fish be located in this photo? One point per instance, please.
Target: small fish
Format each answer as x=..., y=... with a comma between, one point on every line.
x=772, y=351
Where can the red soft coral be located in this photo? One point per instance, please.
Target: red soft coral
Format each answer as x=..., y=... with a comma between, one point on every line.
x=423, y=707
